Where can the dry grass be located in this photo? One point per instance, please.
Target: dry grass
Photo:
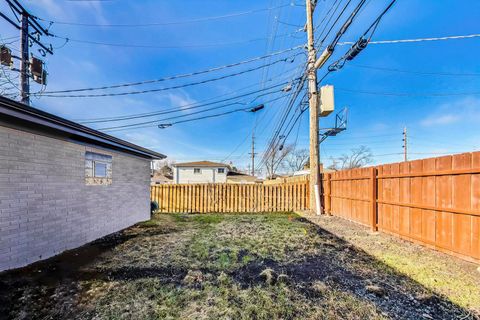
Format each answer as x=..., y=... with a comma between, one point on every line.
x=243, y=266
x=445, y=275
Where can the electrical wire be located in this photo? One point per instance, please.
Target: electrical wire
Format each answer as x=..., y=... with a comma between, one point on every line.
x=147, y=46
x=180, y=76
x=407, y=94
x=169, y=23
x=183, y=115
x=469, y=36
x=166, y=88
x=149, y=124
x=429, y=73
x=189, y=106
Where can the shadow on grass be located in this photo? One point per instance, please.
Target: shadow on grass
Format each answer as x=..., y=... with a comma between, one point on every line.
x=342, y=266
x=42, y=279
x=338, y=264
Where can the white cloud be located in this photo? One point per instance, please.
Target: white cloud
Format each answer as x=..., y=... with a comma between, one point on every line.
x=72, y=10
x=181, y=100
x=440, y=120
x=464, y=110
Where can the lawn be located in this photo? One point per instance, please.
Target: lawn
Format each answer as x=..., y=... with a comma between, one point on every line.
x=209, y=266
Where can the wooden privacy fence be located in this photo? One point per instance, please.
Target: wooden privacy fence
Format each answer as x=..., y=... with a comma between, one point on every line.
x=433, y=201
x=231, y=197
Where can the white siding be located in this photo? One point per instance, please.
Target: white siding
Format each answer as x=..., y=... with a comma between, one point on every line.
x=206, y=175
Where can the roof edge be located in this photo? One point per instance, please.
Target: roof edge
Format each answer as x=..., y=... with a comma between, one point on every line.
x=47, y=120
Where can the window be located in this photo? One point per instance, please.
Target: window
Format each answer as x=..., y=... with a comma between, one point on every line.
x=221, y=170
x=196, y=170
x=98, y=169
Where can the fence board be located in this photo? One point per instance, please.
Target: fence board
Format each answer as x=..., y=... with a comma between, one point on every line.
x=230, y=197
x=433, y=201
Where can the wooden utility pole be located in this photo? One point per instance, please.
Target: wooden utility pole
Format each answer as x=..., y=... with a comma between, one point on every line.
x=313, y=106
x=405, y=154
x=253, y=153
x=24, y=80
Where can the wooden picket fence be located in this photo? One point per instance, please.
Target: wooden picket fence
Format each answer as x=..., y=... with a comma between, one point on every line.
x=203, y=198
x=435, y=202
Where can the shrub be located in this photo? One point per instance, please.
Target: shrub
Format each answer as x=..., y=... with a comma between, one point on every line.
x=153, y=207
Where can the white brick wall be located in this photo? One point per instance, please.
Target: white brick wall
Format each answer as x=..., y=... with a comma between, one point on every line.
x=45, y=206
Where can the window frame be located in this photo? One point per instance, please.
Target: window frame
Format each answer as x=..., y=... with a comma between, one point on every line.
x=95, y=163
x=222, y=170
x=197, y=170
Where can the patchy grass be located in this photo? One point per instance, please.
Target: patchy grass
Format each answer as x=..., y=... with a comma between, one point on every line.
x=210, y=266
x=438, y=272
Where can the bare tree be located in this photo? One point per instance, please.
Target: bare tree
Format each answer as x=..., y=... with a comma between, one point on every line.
x=164, y=167
x=297, y=159
x=359, y=157
x=275, y=160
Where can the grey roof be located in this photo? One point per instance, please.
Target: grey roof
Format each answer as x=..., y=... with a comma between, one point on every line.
x=16, y=114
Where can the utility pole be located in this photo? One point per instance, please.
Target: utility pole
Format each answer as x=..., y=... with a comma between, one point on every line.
x=24, y=78
x=253, y=154
x=27, y=69
x=405, y=154
x=313, y=106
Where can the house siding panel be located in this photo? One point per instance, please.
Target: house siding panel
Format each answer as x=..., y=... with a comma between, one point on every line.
x=45, y=205
x=206, y=175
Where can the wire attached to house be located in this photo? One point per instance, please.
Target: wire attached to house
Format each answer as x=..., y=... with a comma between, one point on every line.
x=165, y=125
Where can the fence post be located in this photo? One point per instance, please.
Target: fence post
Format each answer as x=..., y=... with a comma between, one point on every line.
x=328, y=196
x=373, y=198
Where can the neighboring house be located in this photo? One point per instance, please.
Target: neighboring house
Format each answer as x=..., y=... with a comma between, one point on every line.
x=200, y=172
x=63, y=184
x=241, y=178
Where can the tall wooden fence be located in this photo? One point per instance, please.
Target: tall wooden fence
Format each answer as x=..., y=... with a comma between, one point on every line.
x=434, y=201
x=231, y=197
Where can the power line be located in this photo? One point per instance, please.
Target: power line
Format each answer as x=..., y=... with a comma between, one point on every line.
x=169, y=23
x=415, y=72
x=148, y=46
x=179, y=116
x=180, y=76
x=469, y=36
x=407, y=94
x=166, y=88
x=189, y=106
x=149, y=123
x=283, y=119
x=330, y=17
x=338, y=18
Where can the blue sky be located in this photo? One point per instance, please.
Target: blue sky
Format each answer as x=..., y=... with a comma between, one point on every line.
x=437, y=124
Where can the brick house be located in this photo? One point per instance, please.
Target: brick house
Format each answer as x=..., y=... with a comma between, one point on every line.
x=63, y=184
